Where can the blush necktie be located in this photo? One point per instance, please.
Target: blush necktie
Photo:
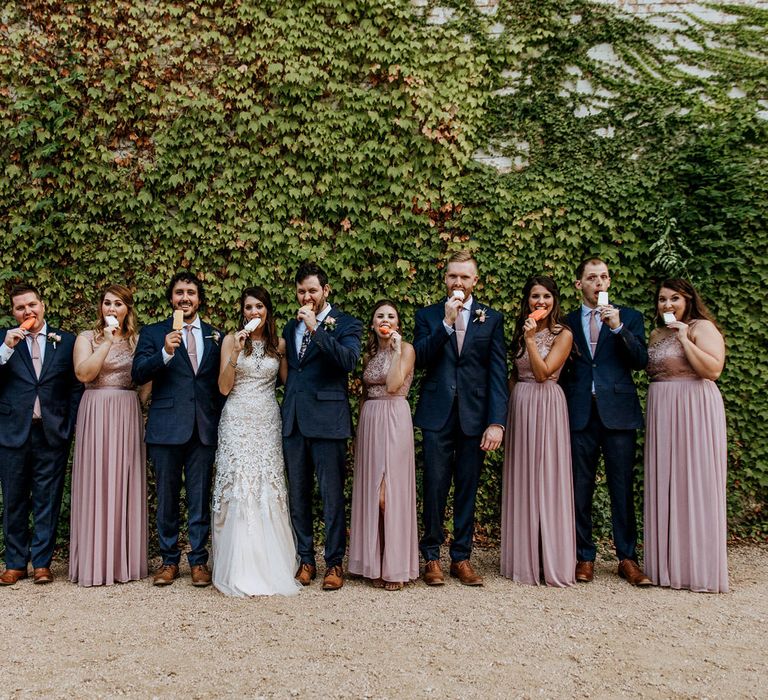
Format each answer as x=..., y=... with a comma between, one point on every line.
x=305, y=343
x=37, y=363
x=594, y=331
x=191, y=347
x=461, y=329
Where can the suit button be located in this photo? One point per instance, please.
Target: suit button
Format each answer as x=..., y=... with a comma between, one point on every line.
x=453, y=388
x=594, y=365
x=299, y=369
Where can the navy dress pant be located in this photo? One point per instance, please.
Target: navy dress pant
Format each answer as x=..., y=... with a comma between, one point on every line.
x=450, y=455
x=193, y=461
x=305, y=459
x=32, y=479
x=618, y=449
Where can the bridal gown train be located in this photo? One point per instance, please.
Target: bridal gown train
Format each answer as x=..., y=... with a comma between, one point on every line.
x=254, y=549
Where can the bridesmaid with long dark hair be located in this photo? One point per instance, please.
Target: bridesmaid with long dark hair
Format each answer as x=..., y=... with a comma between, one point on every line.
x=538, y=534
x=685, y=446
x=383, y=544
x=108, y=527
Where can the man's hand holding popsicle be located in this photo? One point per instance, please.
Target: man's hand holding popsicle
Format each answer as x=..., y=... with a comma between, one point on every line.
x=173, y=339
x=15, y=335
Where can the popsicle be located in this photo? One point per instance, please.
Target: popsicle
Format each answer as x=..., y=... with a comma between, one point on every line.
x=538, y=314
x=458, y=294
x=602, y=299
x=384, y=330
x=669, y=317
x=111, y=321
x=28, y=324
x=178, y=320
x=252, y=325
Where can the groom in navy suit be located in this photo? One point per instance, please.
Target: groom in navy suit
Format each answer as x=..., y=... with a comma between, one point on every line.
x=461, y=411
x=39, y=396
x=322, y=348
x=182, y=430
x=604, y=415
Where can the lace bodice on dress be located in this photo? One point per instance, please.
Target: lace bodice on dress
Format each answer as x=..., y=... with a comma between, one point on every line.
x=116, y=371
x=667, y=361
x=249, y=459
x=544, y=340
x=375, y=376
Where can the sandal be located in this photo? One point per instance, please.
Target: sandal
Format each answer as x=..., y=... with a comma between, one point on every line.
x=378, y=582
x=393, y=586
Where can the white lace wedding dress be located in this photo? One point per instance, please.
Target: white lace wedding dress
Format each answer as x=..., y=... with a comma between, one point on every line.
x=254, y=549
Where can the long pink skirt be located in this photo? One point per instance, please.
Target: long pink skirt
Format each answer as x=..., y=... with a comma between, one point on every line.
x=685, y=474
x=384, y=454
x=108, y=526
x=538, y=529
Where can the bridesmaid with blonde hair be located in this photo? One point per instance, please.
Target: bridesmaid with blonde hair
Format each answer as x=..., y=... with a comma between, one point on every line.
x=108, y=525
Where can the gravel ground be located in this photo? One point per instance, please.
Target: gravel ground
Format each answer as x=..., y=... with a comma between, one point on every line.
x=600, y=640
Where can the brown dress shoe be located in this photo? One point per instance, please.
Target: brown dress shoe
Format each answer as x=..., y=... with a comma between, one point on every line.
x=585, y=571
x=463, y=571
x=166, y=575
x=433, y=573
x=630, y=571
x=306, y=573
x=334, y=578
x=201, y=575
x=10, y=576
x=43, y=575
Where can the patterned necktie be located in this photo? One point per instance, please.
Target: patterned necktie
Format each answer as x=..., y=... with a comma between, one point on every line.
x=191, y=347
x=305, y=342
x=461, y=329
x=37, y=363
x=594, y=331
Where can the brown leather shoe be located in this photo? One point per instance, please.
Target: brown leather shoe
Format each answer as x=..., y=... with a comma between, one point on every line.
x=201, y=575
x=306, y=573
x=11, y=576
x=463, y=571
x=433, y=573
x=43, y=575
x=334, y=578
x=166, y=575
x=585, y=571
x=630, y=571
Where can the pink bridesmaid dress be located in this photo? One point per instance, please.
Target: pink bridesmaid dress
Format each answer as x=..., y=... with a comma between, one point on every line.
x=538, y=530
x=685, y=474
x=384, y=453
x=108, y=525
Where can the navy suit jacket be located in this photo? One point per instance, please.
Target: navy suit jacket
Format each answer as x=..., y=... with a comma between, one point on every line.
x=616, y=355
x=477, y=377
x=181, y=399
x=57, y=387
x=316, y=390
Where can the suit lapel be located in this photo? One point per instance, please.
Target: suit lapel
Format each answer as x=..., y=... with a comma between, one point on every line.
x=50, y=351
x=312, y=347
x=471, y=325
x=207, y=333
x=578, y=329
x=23, y=349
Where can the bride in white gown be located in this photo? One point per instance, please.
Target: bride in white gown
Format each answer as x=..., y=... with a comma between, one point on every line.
x=254, y=549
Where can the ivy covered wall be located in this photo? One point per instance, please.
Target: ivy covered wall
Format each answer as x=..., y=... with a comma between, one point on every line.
x=238, y=138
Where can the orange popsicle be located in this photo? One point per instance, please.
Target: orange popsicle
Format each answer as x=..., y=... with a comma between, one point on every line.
x=28, y=324
x=537, y=314
x=384, y=330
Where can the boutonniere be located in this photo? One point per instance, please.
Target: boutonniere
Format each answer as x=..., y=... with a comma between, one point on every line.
x=329, y=323
x=215, y=336
x=53, y=338
x=479, y=315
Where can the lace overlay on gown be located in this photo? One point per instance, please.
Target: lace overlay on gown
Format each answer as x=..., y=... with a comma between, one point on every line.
x=667, y=360
x=545, y=338
x=249, y=461
x=116, y=371
x=375, y=377
x=254, y=546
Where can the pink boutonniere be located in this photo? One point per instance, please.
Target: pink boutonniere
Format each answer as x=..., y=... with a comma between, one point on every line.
x=329, y=323
x=53, y=338
x=479, y=315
